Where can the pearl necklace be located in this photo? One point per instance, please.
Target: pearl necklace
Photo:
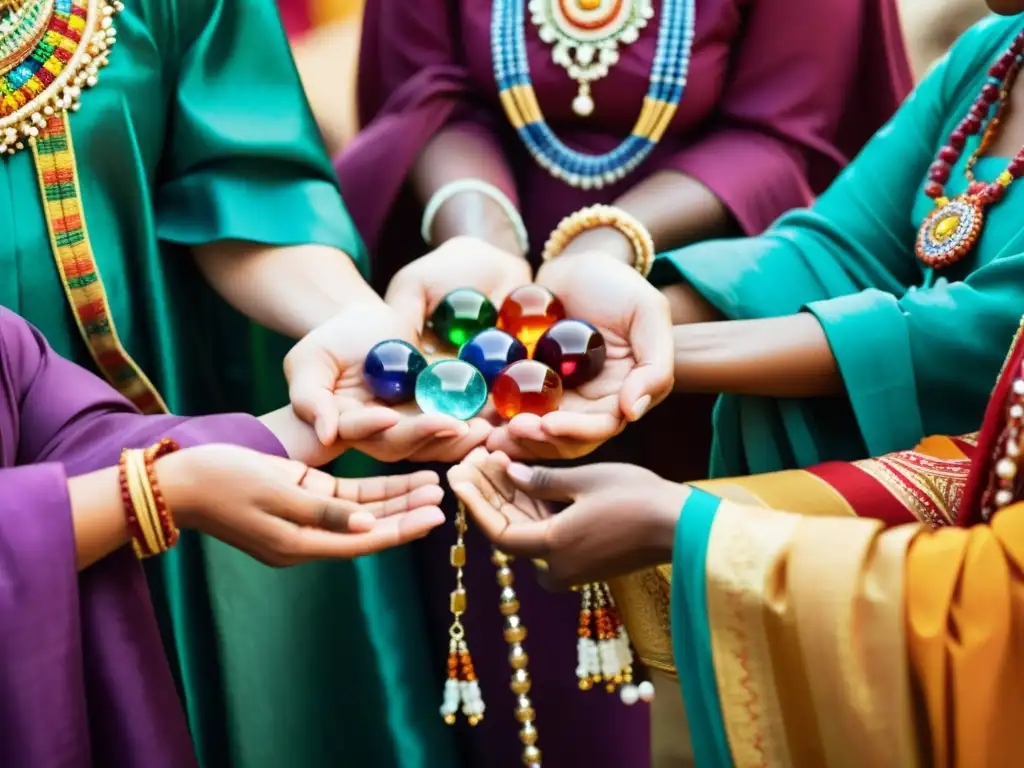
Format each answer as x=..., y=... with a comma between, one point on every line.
x=1002, y=483
x=665, y=90
x=586, y=34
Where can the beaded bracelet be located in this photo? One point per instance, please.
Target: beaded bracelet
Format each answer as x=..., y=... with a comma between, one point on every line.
x=575, y=224
x=149, y=519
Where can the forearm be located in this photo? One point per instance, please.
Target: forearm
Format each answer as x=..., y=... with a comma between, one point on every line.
x=459, y=152
x=298, y=438
x=675, y=208
x=98, y=516
x=289, y=289
x=775, y=357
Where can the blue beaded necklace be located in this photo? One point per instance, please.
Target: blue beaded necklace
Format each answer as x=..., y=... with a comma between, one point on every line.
x=667, y=83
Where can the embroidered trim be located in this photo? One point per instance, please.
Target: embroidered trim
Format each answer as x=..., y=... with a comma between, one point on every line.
x=69, y=239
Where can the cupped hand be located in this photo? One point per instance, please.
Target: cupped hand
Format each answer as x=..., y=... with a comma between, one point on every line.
x=326, y=387
x=619, y=517
x=283, y=513
x=634, y=319
x=462, y=262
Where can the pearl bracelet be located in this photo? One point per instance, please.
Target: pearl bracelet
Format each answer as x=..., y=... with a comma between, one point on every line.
x=573, y=225
x=450, y=190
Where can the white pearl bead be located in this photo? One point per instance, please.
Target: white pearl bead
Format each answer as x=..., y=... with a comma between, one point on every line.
x=646, y=689
x=1016, y=412
x=1018, y=387
x=1006, y=469
x=630, y=694
x=1003, y=498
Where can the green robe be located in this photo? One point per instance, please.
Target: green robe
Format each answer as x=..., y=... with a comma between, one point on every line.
x=918, y=351
x=197, y=132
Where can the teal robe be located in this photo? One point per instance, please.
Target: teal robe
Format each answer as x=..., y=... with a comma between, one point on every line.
x=917, y=350
x=198, y=132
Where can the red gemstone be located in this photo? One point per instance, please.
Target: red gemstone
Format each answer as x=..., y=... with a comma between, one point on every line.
x=1015, y=167
x=970, y=126
x=949, y=155
x=957, y=139
x=1018, y=44
x=528, y=312
x=526, y=386
x=975, y=187
x=933, y=189
x=573, y=348
x=990, y=93
x=993, y=192
x=979, y=110
x=939, y=172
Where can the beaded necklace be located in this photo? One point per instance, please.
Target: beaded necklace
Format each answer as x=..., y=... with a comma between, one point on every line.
x=666, y=86
x=1002, y=483
x=949, y=233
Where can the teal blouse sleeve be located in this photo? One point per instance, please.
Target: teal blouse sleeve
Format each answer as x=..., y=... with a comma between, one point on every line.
x=244, y=158
x=916, y=355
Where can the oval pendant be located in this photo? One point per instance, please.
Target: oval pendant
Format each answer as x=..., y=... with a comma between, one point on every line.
x=950, y=232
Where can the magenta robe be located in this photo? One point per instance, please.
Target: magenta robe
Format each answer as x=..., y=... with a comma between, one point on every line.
x=83, y=676
x=781, y=94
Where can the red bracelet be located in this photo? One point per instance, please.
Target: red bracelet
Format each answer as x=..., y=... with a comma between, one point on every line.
x=167, y=527
x=167, y=536
x=134, y=527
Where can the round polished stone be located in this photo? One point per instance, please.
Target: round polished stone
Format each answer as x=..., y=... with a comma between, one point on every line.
x=491, y=351
x=526, y=387
x=461, y=315
x=390, y=371
x=452, y=387
x=574, y=349
x=528, y=312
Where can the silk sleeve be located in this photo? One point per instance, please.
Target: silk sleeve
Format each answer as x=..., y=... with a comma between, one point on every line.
x=782, y=105
x=244, y=159
x=70, y=416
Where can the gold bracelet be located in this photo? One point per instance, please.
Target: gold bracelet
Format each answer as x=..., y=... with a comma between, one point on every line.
x=575, y=224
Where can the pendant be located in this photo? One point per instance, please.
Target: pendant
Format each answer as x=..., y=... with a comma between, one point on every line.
x=950, y=232
x=586, y=34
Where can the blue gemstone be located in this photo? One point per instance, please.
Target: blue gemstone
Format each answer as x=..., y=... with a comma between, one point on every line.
x=491, y=351
x=391, y=369
x=452, y=387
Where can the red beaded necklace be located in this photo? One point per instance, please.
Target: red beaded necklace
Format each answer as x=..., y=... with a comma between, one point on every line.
x=952, y=229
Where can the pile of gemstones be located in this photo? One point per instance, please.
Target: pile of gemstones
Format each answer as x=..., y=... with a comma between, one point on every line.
x=524, y=356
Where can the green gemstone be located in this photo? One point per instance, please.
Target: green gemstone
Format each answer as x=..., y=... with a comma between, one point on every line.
x=461, y=315
x=452, y=387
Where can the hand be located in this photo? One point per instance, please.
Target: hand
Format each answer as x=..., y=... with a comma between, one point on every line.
x=620, y=517
x=462, y=262
x=634, y=319
x=283, y=513
x=325, y=377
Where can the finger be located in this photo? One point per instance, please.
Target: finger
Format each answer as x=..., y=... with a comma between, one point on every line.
x=407, y=298
x=311, y=376
x=584, y=427
x=523, y=538
x=454, y=449
x=312, y=544
x=424, y=496
x=363, y=423
x=471, y=474
x=495, y=470
x=308, y=509
x=365, y=490
x=552, y=484
x=650, y=338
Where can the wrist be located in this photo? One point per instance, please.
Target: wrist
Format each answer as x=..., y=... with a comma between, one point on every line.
x=607, y=240
x=671, y=497
x=176, y=475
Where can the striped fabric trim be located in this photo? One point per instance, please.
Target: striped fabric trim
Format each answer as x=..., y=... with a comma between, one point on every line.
x=69, y=239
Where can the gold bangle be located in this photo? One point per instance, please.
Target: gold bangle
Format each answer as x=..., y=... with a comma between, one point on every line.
x=137, y=493
x=575, y=224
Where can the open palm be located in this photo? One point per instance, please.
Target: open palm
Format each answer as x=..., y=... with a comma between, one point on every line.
x=634, y=319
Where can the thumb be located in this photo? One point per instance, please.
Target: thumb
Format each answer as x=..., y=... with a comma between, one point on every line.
x=651, y=340
x=550, y=484
x=311, y=378
x=408, y=299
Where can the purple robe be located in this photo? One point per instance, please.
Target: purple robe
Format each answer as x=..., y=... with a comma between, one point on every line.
x=781, y=94
x=83, y=676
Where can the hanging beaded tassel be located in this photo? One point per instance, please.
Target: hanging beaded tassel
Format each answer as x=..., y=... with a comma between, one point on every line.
x=603, y=650
x=461, y=688
x=515, y=634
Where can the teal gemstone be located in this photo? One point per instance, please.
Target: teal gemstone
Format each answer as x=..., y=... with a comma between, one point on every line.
x=452, y=387
x=461, y=315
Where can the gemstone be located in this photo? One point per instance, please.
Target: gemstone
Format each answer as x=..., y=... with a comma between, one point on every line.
x=526, y=387
x=461, y=315
x=574, y=349
x=390, y=371
x=528, y=312
x=452, y=387
x=947, y=227
x=491, y=351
